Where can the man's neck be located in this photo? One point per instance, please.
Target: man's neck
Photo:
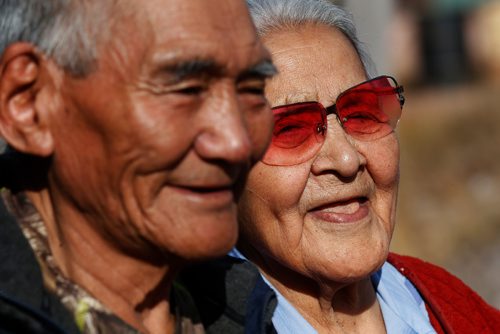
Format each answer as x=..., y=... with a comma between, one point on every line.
x=134, y=289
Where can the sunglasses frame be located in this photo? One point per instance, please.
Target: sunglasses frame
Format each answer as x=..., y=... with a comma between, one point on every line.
x=398, y=89
x=321, y=128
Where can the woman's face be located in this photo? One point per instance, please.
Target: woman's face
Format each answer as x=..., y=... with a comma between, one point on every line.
x=331, y=217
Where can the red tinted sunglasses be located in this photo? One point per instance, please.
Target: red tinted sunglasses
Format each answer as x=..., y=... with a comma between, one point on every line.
x=367, y=111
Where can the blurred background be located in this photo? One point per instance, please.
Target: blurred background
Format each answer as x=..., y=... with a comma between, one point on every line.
x=446, y=53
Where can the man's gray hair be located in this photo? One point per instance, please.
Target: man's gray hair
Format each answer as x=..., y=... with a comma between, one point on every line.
x=64, y=30
x=273, y=15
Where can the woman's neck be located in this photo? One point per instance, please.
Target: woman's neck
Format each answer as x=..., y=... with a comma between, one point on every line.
x=332, y=307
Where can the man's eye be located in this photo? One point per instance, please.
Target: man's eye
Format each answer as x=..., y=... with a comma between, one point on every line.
x=191, y=90
x=255, y=87
x=254, y=90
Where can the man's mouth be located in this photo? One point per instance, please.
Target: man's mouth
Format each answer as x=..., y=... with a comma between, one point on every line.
x=209, y=195
x=206, y=188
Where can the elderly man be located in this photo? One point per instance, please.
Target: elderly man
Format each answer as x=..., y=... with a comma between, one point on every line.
x=131, y=127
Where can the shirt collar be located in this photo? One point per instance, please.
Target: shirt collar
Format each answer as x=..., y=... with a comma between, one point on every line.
x=402, y=307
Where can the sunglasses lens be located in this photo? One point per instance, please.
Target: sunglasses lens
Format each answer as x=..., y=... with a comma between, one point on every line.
x=297, y=135
x=368, y=111
x=371, y=110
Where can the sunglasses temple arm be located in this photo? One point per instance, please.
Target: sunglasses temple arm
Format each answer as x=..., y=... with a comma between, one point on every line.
x=401, y=97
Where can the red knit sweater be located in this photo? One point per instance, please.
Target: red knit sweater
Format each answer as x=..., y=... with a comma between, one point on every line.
x=452, y=306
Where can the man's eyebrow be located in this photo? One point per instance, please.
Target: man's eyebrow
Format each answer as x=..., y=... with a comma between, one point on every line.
x=263, y=69
x=178, y=71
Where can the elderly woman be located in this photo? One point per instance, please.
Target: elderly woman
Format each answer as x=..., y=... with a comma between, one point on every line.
x=318, y=211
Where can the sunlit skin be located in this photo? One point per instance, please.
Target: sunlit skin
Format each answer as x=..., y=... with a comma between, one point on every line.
x=318, y=229
x=150, y=151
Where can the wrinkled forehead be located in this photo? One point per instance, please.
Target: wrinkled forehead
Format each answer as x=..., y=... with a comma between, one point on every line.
x=315, y=63
x=217, y=29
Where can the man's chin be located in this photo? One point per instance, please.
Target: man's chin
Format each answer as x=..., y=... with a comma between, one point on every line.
x=210, y=249
x=211, y=237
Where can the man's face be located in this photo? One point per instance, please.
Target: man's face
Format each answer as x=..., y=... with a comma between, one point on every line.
x=153, y=147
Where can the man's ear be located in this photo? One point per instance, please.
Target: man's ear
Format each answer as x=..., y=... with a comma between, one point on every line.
x=23, y=122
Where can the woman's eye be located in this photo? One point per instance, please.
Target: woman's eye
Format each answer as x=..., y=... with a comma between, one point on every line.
x=286, y=129
x=359, y=115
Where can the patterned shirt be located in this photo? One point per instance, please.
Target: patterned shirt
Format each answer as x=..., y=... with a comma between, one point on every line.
x=90, y=315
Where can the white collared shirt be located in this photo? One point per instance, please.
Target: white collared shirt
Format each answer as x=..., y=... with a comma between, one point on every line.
x=402, y=307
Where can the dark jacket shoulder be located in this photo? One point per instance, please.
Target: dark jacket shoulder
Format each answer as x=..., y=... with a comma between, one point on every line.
x=231, y=296
x=25, y=305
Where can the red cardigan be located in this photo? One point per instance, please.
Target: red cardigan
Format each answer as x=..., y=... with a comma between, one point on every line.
x=452, y=306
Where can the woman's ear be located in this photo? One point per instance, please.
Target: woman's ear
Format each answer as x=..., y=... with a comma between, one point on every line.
x=23, y=122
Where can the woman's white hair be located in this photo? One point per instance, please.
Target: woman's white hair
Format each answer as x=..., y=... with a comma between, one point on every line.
x=272, y=15
x=64, y=30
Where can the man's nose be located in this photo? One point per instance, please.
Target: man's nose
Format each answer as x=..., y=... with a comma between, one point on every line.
x=225, y=135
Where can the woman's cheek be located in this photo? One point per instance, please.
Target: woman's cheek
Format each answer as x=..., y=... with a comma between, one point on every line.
x=383, y=161
x=279, y=188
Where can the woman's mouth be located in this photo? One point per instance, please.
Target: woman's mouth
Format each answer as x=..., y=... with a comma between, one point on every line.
x=343, y=212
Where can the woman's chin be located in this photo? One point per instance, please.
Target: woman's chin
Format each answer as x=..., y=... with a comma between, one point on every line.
x=349, y=267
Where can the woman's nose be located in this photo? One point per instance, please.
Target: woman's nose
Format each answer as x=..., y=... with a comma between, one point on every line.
x=338, y=154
